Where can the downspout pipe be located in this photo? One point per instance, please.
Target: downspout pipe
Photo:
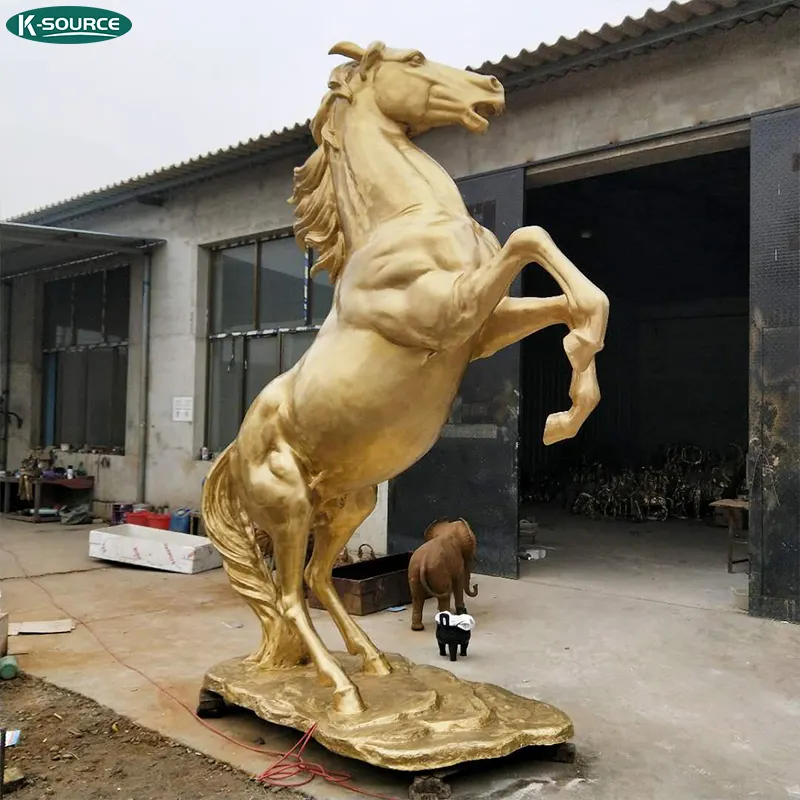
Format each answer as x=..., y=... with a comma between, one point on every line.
x=144, y=381
x=5, y=397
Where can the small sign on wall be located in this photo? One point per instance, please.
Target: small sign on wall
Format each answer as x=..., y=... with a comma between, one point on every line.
x=182, y=409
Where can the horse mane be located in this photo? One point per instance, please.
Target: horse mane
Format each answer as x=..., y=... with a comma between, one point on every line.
x=317, y=225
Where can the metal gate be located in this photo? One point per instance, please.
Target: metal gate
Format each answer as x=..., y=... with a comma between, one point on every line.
x=774, y=451
x=472, y=471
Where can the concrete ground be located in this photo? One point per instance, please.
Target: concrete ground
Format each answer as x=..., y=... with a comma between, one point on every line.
x=680, y=562
x=671, y=698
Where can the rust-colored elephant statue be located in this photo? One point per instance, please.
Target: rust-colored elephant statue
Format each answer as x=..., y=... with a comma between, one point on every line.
x=441, y=567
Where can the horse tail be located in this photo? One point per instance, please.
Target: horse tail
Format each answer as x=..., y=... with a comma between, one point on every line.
x=231, y=532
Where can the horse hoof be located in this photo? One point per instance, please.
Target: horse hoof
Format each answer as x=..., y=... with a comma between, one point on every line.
x=417, y=626
x=379, y=665
x=556, y=429
x=348, y=701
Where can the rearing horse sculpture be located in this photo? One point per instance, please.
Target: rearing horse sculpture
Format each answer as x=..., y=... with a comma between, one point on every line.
x=421, y=289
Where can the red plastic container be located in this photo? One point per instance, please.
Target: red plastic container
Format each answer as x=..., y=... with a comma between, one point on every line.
x=138, y=518
x=158, y=520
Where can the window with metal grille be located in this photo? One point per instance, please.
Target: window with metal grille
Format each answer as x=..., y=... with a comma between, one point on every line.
x=265, y=310
x=85, y=360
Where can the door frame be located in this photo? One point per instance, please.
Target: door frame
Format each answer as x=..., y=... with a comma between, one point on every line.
x=774, y=446
x=472, y=470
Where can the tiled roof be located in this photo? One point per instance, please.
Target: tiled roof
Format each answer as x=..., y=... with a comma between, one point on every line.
x=261, y=148
x=677, y=22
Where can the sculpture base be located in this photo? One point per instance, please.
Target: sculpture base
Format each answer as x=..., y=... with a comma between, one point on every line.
x=418, y=718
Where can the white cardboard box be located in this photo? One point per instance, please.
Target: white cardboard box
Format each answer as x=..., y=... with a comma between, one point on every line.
x=155, y=548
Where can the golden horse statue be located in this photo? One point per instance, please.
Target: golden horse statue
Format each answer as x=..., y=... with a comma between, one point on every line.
x=421, y=290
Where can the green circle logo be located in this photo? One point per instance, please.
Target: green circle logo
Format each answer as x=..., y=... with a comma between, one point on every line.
x=68, y=25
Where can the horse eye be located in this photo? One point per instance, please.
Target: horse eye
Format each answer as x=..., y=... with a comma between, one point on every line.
x=417, y=61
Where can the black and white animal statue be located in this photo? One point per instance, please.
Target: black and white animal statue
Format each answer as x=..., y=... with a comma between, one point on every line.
x=453, y=633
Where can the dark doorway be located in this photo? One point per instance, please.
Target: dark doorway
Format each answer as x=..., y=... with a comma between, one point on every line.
x=669, y=244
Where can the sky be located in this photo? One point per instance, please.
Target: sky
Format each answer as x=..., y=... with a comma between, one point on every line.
x=197, y=75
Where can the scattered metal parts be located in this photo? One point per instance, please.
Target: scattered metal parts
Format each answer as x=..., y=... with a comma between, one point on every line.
x=682, y=482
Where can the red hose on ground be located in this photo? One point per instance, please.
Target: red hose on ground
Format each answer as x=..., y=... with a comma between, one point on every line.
x=289, y=765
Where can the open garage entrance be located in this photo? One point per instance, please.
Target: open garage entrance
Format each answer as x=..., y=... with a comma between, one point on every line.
x=624, y=507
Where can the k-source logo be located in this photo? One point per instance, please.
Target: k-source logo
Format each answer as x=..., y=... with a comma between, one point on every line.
x=68, y=25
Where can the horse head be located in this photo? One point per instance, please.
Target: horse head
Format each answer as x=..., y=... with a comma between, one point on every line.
x=419, y=94
x=378, y=84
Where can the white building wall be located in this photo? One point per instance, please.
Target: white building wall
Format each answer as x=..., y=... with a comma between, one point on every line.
x=752, y=68
x=749, y=69
x=240, y=205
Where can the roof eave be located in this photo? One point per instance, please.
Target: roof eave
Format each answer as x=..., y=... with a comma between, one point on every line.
x=26, y=249
x=97, y=203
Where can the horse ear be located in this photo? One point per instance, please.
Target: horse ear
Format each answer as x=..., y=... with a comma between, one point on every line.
x=373, y=54
x=348, y=50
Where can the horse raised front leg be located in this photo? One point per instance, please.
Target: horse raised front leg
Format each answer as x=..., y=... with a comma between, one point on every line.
x=518, y=317
x=483, y=291
x=588, y=310
x=330, y=536
x=588, y=305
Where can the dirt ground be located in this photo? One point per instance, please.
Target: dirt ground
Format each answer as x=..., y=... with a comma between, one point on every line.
x=72, y=748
